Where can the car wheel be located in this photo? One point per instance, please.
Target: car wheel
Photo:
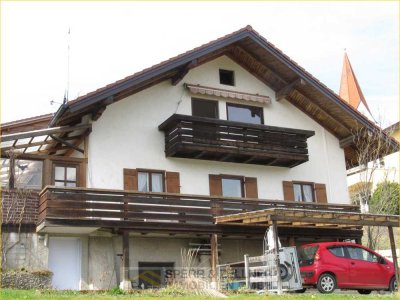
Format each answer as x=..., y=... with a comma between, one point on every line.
x=364, y=292
x=393, y=284
x=326, y=283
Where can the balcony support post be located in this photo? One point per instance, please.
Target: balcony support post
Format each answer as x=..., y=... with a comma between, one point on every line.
x=214, y=259
x=125, y=283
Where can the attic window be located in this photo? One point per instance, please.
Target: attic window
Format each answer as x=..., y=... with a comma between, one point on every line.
x=226, y=77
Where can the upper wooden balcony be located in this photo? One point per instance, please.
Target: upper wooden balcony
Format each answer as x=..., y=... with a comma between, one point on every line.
x=221, y=140
x=156, y=212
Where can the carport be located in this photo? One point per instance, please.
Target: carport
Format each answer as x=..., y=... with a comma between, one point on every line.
x=307, y=218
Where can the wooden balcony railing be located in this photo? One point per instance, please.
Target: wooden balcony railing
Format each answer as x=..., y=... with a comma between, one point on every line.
x=150, y=211
x=221, y=140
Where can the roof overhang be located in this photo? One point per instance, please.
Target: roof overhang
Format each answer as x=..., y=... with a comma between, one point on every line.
x=258, y=56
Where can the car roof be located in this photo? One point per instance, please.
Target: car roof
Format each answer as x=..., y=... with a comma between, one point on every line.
x=327, y=244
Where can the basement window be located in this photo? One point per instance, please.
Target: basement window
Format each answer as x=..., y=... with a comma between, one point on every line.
x=226, y=77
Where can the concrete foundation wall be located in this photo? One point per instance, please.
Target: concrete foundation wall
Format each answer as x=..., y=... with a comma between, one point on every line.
x=24, y=250
x=104, y=261
x=101, y=258
x=101, y=263
x=234, y=250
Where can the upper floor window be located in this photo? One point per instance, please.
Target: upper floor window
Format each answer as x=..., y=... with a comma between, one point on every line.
x=303, y=192
x=65, y=175
x=226, y=77
x=245, y=113
x=204, y=108
x=232, y=186
x=150, y=181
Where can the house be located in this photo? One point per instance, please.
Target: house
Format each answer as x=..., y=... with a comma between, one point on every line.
x=126, y=176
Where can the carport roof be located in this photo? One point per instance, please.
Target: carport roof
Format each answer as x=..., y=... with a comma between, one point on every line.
x=292, y=217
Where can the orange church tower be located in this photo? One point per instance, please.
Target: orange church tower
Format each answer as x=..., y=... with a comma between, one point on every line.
x=350, y=90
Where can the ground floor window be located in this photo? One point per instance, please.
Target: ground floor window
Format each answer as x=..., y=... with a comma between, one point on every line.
x=232, y=186
x=303, y=192
x=150, y=181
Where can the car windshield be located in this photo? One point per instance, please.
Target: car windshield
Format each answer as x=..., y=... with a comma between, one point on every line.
x=306, y=255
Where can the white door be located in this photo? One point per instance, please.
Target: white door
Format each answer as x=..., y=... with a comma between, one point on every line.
x=64, y=262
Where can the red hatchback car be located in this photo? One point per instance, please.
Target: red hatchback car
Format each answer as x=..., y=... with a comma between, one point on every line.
x=343, y=265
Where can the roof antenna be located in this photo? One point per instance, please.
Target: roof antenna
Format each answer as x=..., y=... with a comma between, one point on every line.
x=67, y=87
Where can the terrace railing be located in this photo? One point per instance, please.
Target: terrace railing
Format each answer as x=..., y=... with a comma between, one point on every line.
x=116, y=208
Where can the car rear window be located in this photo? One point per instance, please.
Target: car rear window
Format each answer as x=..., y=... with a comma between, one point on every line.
x=337, y=251
x=306, y=255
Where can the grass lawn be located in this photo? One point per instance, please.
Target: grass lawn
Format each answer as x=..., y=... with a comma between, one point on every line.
x=32, y=294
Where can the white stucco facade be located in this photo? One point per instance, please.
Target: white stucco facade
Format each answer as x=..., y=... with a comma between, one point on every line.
x=127, y=136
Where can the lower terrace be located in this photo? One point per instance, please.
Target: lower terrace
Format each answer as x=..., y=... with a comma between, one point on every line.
x=92, y=209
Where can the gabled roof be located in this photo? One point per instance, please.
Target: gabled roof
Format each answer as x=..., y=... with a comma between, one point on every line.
x=350, y=90
x=255, y=54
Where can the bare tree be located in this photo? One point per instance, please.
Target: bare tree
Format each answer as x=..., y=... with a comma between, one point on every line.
x=13, y=203
x=371, y=147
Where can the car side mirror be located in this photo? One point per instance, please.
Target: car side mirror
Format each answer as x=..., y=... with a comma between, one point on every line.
x=382, y=261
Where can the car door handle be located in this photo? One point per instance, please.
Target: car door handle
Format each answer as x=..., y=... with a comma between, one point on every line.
x=353, y=263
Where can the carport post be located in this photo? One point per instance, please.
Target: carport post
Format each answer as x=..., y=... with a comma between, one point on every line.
x=277, y=261
x=247, y=271
x=394, y=254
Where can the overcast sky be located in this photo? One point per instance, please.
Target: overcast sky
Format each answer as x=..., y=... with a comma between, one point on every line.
x=111, y=40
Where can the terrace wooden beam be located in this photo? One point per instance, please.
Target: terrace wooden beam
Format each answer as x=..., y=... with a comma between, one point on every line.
x=78, y=141
x=285, y=91
x=22, y=146
x=68, y=144
x=30, y=156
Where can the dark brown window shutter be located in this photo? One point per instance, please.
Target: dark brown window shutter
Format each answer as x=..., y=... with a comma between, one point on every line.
x=172, y=182
x=130, y=179
x=215, y=185
x=250, y=184
x=288, y=193
x=320, y=193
